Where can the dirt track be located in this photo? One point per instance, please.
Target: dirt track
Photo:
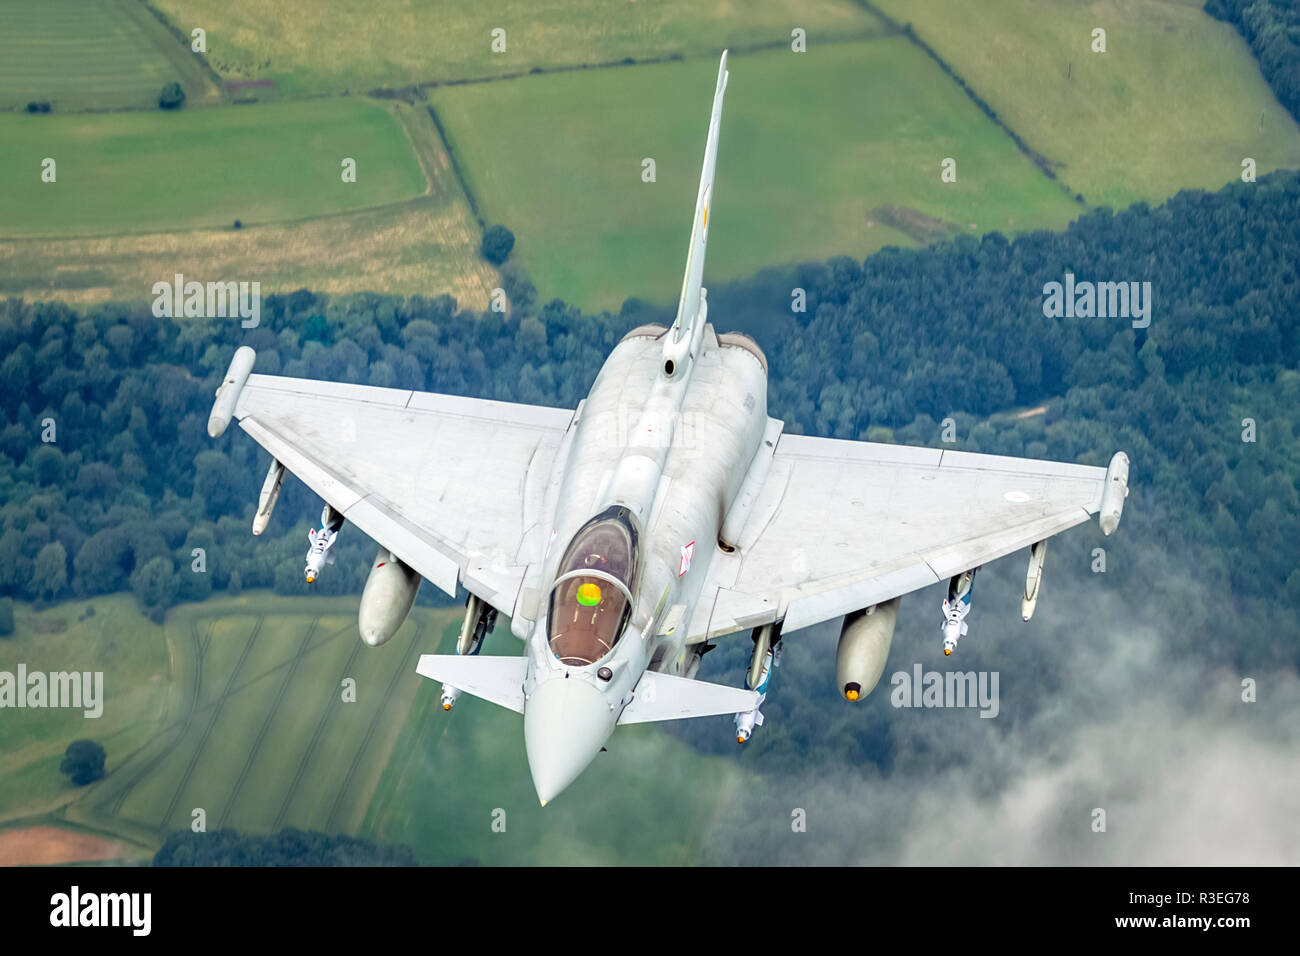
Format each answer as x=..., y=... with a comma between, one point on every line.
x=36, y=846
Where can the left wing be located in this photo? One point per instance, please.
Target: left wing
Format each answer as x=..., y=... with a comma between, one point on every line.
x=453, y=486
x=837, y=526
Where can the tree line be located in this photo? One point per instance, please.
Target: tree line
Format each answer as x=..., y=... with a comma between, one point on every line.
x=1272, y=28
x=288, y=847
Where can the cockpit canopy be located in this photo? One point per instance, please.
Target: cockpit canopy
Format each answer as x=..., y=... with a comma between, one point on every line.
x=591, y=601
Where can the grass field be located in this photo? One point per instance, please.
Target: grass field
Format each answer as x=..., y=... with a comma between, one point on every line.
x=235, y=707
x=427, y=245
x=1176, y=101
x=831, y=152
x=142, y=172
x=451, y=776
x=78, y=51
x=306, y=46
x=260, y=737
x=116, y=640
x=90, y=54
x=811, y=165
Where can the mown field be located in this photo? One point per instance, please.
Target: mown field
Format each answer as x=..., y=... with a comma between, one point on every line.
x=426, y=243
x=306, y=46
x=156, y=171
x=235, y=706
x=117, y=640
x=835, y=151
x=811, y=165
x=91, y=54
x=1175, y=102
x=262, y=737
x=78, y=51
x=453, y=775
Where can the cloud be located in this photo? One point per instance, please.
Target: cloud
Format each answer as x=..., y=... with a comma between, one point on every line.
x=1097, y=712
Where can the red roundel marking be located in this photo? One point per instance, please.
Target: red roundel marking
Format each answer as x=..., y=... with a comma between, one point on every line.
x=688, y=552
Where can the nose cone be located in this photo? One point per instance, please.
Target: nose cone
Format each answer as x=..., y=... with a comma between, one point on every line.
x=566, y=722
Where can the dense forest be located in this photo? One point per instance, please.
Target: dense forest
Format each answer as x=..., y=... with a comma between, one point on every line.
x=108, y=480
x=1272, y=28
x=289, y=847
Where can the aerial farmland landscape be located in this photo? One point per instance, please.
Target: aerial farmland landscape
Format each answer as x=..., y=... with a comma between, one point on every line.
x=485, y=201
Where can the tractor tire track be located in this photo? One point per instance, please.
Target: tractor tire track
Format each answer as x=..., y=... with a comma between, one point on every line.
x=311, y=744
x=212, y=722
x=380, y=712
x=285, y=682
x=149, y=766
x=177, y=729
x=291, y=661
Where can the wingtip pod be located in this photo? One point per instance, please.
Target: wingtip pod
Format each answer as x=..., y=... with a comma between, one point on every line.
x=1114, y=493
x=223, y=409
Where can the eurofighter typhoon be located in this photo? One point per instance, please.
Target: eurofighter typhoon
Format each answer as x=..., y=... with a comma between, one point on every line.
x=664, y=512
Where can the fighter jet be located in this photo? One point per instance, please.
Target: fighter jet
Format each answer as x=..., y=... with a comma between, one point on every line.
x=665, y=512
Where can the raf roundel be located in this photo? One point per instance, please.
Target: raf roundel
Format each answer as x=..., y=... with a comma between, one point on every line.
x=688, y=552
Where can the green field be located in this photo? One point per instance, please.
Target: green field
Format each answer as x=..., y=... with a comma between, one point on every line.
x=88, y=54
x=427, y=243
x=117, y=640
x=832, y=152
x=811, y=165
x=143, y=172
x=54, y=51
x=1175, y=102
x=452, y=775
x=307, y=46
x=261, y=737
x=234, y=706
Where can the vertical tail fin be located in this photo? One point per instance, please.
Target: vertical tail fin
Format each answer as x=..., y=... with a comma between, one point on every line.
x=688, y=307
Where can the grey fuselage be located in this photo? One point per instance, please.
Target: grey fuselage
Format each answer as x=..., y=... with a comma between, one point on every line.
x=674, y=450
